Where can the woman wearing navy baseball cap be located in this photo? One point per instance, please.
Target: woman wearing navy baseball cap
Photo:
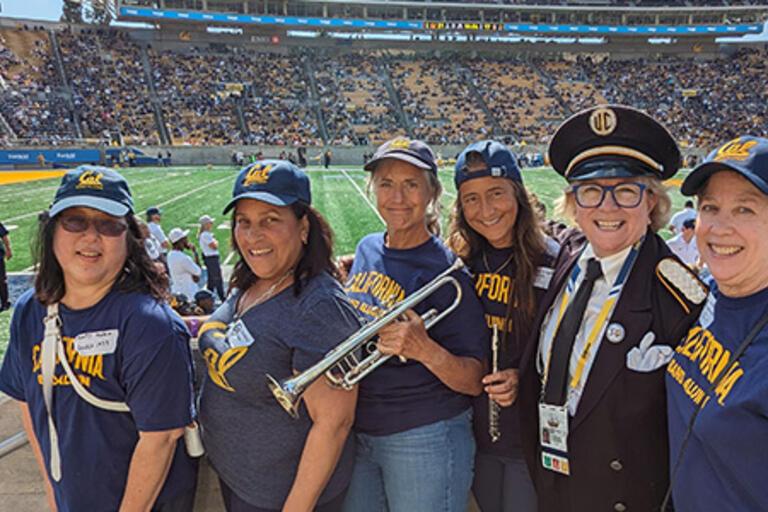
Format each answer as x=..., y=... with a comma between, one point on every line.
x=717, y=391
x=286, y=309
x=413, y=424
x=495, y=231
x=106, y=387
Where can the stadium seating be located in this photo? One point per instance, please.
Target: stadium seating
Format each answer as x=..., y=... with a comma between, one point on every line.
x=107, y=83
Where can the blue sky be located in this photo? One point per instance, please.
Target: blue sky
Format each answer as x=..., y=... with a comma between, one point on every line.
x=32, y=9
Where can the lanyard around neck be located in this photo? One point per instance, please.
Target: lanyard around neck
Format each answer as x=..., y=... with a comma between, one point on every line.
x=602, y=317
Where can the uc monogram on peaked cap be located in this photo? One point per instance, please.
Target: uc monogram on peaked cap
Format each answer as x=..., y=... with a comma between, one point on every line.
x=603, y=121
x=735, y=150
x=257, y=174
x=90, y=179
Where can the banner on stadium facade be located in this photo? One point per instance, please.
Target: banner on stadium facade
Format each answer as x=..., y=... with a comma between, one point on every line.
x=325, y=23
x=32, y=156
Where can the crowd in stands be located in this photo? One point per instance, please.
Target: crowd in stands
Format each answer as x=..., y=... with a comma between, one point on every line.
x=438, y=103
x=109, y=85
x=29, y=99
x=238, y=96
x=356, y=104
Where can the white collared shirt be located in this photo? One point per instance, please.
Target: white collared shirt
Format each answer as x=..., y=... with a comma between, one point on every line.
x=611, y=266
x=686, y=251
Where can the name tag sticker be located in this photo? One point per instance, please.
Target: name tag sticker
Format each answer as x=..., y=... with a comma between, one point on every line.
x=238, y=335
x=96, y=343
x=543, y=277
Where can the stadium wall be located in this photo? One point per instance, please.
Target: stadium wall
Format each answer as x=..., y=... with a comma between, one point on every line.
x=352, y=156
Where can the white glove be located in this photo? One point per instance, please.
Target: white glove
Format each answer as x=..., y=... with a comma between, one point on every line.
x=646, y=358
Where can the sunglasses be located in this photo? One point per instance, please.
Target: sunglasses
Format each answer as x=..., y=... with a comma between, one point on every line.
x=106, y=227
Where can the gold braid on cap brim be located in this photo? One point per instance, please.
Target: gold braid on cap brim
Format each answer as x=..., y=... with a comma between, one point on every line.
x=614, y=150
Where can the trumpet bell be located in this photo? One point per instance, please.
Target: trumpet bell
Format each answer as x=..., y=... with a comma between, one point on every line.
x=289, y=401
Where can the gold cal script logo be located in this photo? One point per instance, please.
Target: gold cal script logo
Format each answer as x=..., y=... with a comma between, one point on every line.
x=90, y=179
x=400, y=143
x=257, y=175
x=735, y=150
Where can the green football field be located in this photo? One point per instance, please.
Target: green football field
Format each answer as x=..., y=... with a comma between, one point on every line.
x=186, y=193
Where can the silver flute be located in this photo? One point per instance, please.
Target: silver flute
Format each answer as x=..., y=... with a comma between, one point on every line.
x=493, y=407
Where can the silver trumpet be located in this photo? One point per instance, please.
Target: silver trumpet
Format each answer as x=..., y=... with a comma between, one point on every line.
x=493, y=408
x=342, y=367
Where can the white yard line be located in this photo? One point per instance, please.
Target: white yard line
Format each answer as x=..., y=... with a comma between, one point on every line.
x=365, y=197
x=190, y=192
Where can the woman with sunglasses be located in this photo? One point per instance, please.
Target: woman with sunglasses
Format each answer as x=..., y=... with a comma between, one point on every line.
x=592, y=391
x=495, y=231
x=110, y=332
x=286, y=310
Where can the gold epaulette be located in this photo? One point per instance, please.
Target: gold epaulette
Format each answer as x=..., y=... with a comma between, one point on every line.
x=681, y=282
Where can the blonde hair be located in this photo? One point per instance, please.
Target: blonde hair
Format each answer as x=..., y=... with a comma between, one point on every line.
x=565, y=205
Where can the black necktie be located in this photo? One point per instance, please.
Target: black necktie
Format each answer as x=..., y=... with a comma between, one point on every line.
x=562, y=346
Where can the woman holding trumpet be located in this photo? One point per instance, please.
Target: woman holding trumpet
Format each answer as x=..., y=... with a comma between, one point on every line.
x=495, y=231
x=285, y=312
x=413, y=424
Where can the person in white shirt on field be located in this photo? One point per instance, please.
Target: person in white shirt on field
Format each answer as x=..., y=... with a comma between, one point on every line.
x=184, y=271
x=688, y=212
x=154, y=216
x=209, y=246
x=684, y=244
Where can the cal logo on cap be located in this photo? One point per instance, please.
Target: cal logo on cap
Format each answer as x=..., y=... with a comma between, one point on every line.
x=603, y=121
x=90, y=179
x=400, y=143
x=257, y=175
x=735, y=150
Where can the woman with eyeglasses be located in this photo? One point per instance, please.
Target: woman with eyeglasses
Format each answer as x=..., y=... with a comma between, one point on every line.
x=109, y=330
x=592, y=393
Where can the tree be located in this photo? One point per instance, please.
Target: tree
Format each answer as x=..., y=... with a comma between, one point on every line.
x=72, y=11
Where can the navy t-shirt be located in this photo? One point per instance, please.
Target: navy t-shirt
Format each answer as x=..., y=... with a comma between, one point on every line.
x=254, y=445
x=400, y=396
x=148, y=366
x=494, y=285
x=724, y=466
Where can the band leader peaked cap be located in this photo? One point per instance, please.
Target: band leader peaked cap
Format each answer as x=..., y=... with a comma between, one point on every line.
x=613, y=141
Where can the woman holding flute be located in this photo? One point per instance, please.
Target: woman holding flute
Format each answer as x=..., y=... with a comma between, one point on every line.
x=495, y=231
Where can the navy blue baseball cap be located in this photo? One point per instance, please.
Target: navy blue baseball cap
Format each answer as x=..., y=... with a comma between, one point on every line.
x=276, y=182
x=408, y=150
x=499, y=162
x=613, y=141
x=745, y=155
x=154, y=210
x=94, y=187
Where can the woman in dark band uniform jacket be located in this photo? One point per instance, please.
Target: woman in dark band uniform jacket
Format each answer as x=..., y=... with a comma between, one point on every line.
x=617, y=449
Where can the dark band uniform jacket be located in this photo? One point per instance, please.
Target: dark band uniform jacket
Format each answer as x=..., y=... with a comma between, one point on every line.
x=617, y=442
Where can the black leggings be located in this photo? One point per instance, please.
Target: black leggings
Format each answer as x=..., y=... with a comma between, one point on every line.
x=234, y=503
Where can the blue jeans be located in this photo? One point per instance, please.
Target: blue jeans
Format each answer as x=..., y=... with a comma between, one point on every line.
x=425, y=469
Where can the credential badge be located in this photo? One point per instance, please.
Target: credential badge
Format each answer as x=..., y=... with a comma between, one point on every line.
x=603, y=121
x=615, y=333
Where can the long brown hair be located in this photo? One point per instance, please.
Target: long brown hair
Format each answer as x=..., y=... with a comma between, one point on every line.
x=528, y=248
x=139, y=273
x=316, y=255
